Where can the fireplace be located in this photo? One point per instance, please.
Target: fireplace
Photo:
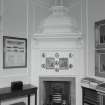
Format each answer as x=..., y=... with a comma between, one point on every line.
x=57, y=91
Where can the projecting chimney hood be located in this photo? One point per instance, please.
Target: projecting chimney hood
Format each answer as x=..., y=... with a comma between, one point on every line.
x=59, y=21
x=58, y=24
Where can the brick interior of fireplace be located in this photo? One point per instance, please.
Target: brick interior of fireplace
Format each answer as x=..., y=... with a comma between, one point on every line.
x=57, y=93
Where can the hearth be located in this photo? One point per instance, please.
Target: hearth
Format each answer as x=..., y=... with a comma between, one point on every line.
x=57, y=91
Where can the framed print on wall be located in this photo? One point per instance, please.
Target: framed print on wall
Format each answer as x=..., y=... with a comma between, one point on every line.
x=63, y=63
x=100, y=63
x=14, y=52
x=100, y=33
x=50, y=63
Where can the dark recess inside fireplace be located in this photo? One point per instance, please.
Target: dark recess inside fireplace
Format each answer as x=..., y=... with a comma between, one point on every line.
x=57, y=93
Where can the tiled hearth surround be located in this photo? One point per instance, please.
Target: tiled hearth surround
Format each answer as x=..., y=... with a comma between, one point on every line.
x=62, y=46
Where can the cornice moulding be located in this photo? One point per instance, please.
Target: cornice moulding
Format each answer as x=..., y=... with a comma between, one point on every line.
x=68, y=36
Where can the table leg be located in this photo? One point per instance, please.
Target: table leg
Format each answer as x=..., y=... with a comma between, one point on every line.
x=36, y=98
x=28, y=99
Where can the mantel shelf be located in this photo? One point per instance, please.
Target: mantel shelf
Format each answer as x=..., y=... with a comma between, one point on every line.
x=60, y=36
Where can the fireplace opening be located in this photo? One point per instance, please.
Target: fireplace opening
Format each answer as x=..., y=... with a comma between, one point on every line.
x=57, y=91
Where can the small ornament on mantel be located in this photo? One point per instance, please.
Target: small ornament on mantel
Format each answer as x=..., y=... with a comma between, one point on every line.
x=70, y=66
x=43, y=55
x=70, y=55
x=56, y=62
x=57, y=69
x=43, y=66
x=57, y=55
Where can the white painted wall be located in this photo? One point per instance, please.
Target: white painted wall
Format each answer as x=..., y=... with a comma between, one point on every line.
x=14, y=19
x=96, y=10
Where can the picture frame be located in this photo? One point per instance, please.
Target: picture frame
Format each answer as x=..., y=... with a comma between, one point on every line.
x=100, y=34
x=100, y=63
x=63, y=63
x=14, y=52
x=50, y=63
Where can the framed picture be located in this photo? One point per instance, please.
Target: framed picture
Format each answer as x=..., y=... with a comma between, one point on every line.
x=14, y=52
x=100, y=63
x=50, y=63
x=100, y=33
x=63, y=64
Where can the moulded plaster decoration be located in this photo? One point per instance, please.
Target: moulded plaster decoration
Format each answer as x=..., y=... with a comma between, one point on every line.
x=57, y=55
x=59, y=20
x=43, y=55
x=56, y=60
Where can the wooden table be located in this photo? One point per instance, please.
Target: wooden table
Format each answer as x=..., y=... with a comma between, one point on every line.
x=28, y=90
